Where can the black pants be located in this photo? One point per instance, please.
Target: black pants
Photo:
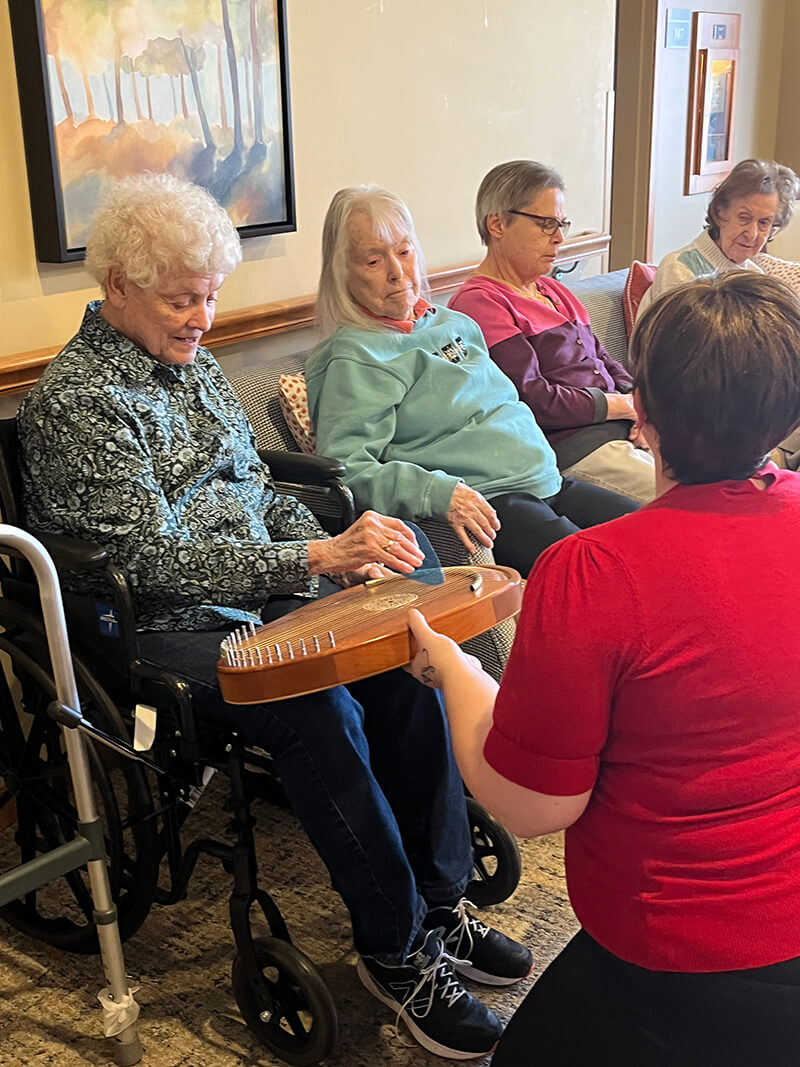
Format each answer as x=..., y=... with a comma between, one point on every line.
x=591, y=1009
x=530, y=524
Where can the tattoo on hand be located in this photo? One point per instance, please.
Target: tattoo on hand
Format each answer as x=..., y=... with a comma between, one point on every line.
x=429, y=675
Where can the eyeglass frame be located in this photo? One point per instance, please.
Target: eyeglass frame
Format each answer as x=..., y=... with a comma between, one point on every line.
x=543, y=220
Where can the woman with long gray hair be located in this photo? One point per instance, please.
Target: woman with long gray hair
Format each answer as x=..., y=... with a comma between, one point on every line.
x=405, y=395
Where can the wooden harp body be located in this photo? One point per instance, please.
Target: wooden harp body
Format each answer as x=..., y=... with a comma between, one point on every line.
x=360, y=632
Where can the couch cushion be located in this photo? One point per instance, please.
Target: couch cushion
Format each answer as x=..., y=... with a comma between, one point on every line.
x=602, y=297
x=259, y=395
x=640, y=278
x=294, y=405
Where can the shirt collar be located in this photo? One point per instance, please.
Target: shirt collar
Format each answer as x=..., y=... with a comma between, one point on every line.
x=709, y=248
x=119, y=350
x=422, y=307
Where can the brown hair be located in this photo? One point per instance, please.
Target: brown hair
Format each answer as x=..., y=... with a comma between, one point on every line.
x=755, y=176
x=717, y=366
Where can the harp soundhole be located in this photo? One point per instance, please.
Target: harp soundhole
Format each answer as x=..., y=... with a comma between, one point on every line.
x=389, y=601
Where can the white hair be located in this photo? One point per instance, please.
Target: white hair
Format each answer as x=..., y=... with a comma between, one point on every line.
x=154, y=226
x=388, y=214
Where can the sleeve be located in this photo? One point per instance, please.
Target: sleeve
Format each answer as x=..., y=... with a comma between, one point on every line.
x=355, y=418
x=89, y=474
x=555, y=407
x=574, y=638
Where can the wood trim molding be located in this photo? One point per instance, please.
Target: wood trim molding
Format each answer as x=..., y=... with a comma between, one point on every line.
x=22, y=370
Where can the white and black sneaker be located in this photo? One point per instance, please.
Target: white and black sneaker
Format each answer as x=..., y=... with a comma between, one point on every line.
x=480, y=952
x=426, y=993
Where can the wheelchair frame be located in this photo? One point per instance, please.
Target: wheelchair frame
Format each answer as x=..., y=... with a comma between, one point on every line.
x=293, y=1014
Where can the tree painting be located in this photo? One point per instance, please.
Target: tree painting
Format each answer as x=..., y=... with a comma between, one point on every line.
x=193, y=87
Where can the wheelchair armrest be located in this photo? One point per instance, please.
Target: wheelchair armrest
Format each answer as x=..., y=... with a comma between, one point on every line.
x=71, y=553
x=302, y=469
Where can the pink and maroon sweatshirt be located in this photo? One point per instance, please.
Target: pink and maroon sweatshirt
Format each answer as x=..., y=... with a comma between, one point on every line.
x=552, y=356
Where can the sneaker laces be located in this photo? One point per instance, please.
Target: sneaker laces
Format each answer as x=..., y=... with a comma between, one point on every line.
x=467, y=927
x=439, y=972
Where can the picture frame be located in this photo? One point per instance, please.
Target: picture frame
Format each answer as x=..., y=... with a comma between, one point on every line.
x=712, y=99
x=199, y=88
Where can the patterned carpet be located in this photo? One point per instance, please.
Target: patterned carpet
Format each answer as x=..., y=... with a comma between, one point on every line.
x=181, y=959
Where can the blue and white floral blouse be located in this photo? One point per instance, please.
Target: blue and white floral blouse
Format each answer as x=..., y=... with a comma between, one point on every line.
x=158, y=464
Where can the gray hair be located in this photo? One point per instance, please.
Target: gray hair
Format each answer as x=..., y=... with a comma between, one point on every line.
x=335, y=306
x=755, y=176
x=155, y=225
x=509, y=187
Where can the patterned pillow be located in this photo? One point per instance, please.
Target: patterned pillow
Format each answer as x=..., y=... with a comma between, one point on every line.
x=640, y=278
x=294, y=405
x=784, y=269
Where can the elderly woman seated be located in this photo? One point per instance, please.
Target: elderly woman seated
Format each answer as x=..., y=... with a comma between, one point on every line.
x=539, y=334
x=134, y=438
x=648, y=712
x=405, y=394
x=750, y=207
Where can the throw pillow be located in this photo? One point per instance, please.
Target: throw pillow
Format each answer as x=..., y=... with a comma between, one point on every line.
x=784, y=269
x=640, y=278
x=294, y=405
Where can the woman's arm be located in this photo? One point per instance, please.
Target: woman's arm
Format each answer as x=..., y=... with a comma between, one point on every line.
x=354, y=409
x=469, y=695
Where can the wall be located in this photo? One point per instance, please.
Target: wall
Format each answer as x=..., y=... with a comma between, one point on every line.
x=678, y=218
x=421, y=97
x=787, y=135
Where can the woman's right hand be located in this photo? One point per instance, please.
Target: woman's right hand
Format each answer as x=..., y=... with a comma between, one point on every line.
x=469, y=513
x=620, y=406
x=372, y=539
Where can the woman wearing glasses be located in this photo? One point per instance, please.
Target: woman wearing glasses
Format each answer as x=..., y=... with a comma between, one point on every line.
x=405, y=395
x=539, y=334
x=750, y=207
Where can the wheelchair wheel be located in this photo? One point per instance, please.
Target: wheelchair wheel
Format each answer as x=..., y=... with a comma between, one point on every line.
x=37, y=811
x=495, y=856
x=287, y=1005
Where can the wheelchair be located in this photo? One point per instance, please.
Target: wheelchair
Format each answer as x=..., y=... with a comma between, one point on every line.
x=144, y=808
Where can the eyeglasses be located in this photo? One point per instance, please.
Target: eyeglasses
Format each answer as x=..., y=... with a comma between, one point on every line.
x=546, y=223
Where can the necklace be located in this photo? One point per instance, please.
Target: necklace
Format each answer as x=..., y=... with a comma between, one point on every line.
x=531, y=292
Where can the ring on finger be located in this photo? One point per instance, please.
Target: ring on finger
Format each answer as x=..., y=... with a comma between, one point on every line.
x=388, y=545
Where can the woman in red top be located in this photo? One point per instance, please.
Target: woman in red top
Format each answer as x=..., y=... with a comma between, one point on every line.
x=645, y=709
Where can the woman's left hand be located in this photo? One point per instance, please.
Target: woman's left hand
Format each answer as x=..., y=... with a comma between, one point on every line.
x=436, y=654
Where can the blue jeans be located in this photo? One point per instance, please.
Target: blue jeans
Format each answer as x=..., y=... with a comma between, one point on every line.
x=369, y=771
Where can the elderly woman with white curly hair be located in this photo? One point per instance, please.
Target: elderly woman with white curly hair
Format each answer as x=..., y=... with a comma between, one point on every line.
x=134, y=439
x=406, y=396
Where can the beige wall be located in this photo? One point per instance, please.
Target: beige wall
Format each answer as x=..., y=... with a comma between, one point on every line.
x=787, y=136
x=421, y=97
x=678, y=218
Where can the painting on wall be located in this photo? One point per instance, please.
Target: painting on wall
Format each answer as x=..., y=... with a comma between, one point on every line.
x=111, y=88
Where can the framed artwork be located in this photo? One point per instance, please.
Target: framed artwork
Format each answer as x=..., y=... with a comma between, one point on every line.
x=112, y=88
x=710, y=132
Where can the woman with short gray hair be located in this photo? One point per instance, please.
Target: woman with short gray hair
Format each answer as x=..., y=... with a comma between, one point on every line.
x=750, y=207
x=538, y=333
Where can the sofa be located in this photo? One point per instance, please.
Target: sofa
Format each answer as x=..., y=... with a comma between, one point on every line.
x=259, y=395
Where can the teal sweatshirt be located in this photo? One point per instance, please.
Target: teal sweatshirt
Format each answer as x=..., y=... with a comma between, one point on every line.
x=412, y=414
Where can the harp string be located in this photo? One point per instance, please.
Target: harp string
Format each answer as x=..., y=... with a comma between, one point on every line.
x=347, y=621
